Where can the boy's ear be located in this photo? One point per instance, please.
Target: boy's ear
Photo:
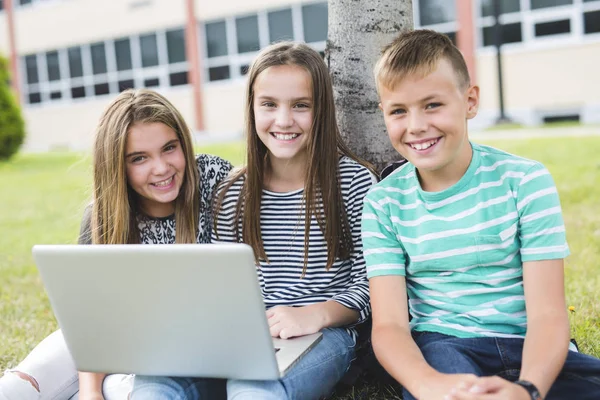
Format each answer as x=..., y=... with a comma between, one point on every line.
x=472, y=101
x=380, y=107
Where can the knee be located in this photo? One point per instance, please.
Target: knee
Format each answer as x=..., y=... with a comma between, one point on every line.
x=250, y=390
x=447, y=359
x=156, y=387
x=27, y=378
x=16, y=385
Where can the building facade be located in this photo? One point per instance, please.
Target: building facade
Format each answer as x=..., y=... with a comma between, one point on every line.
x=74, y=56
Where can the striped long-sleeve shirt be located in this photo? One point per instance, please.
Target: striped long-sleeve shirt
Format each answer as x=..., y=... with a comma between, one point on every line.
x=282, y=228
x=462, y=249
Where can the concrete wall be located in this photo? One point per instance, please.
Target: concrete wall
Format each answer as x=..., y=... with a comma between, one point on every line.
x=543, y=82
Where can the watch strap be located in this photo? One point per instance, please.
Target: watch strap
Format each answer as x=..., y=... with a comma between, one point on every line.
x=531, y=389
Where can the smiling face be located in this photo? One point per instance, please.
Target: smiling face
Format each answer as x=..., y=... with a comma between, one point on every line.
x=283, y=112
x=426, y=119
x=155, y=167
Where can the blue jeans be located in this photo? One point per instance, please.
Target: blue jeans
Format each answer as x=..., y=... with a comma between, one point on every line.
x=579, y=378
x=313, y=377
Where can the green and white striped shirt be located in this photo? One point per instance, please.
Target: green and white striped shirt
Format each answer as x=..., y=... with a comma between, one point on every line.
x=462, y=249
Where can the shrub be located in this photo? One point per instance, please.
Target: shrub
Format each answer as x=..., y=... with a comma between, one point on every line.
x=12, y=127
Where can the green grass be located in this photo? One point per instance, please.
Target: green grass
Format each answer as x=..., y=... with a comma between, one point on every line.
x=43, y=197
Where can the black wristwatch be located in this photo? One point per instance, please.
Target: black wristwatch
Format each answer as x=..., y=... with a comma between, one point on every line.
x=531, y=389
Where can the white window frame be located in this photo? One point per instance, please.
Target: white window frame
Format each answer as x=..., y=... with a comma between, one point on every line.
x=236, y=60
x=528, y=19
x=88, y=81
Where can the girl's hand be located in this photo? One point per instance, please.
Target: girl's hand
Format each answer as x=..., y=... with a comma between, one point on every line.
x=490, y=388
x=287, y=322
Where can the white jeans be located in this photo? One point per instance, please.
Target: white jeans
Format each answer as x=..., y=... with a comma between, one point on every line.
x=51, y=365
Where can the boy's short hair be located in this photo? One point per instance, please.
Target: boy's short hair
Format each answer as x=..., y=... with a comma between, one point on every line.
x=418, y=52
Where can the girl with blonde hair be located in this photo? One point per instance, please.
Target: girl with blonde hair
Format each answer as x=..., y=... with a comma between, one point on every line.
x=298, y=203
x=148, y=188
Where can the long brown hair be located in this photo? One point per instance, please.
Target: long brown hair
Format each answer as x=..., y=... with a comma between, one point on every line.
x=322, y=181
x=115, y=204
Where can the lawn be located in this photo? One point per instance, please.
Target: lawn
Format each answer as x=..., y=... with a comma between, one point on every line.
x=44, y=196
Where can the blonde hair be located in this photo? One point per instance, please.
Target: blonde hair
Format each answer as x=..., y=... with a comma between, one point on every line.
x=115, y=204
x=324, y=150
x=418, y=52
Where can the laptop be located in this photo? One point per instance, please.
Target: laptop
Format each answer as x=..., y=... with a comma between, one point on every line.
x=169, y=310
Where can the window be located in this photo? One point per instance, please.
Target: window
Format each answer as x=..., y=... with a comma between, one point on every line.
x=216, y=39
x=280, y=26
x=77, y=92
x=176, y=45
x=126, y=84
x=436, y=12
x=87, y=70
x=31, y=68
x=509, y=33
x=314, y=20
x=34, y=98
x=123, y=54
x=247, y=34
x=75, y=64
x=553, y=28
x=591, y=22
x=439, y=15
x=506, y=6
x=53, y=66
x=218, y=73
x=231, y=43
x=101, y=88
x=535, y=4
x=178, y=78
x=531, y=22
x=98, y=58
x=149, y=50
x=152, y=82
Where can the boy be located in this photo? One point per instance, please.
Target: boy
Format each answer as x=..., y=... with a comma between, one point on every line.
x=474, y=236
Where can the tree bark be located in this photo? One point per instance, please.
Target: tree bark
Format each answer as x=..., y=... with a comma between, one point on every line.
x=358, y=30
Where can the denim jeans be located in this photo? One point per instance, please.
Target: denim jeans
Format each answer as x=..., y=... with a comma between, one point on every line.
x=579, y=378
x=313, y=377
x=50, y=364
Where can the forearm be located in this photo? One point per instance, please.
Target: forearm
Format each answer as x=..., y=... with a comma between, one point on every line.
x=400, y=356
x=545, y=350
x=90, y=383
x=332, y=314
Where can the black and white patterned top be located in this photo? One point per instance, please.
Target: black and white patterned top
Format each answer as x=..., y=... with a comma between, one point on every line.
x=282, y=229
x=212, y=171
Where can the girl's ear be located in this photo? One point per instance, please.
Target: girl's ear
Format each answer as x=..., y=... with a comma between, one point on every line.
x=472, y=95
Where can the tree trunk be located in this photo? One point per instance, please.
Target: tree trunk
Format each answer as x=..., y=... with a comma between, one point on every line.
x=358, y=30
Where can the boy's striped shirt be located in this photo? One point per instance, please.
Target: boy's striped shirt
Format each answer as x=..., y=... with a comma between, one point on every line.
x=462, y=249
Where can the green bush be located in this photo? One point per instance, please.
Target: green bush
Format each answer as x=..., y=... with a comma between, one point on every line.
x=12, y=127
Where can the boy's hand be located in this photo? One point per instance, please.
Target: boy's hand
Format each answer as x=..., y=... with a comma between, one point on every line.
x=287, y=322
x=490, y=388
x=441, y=385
